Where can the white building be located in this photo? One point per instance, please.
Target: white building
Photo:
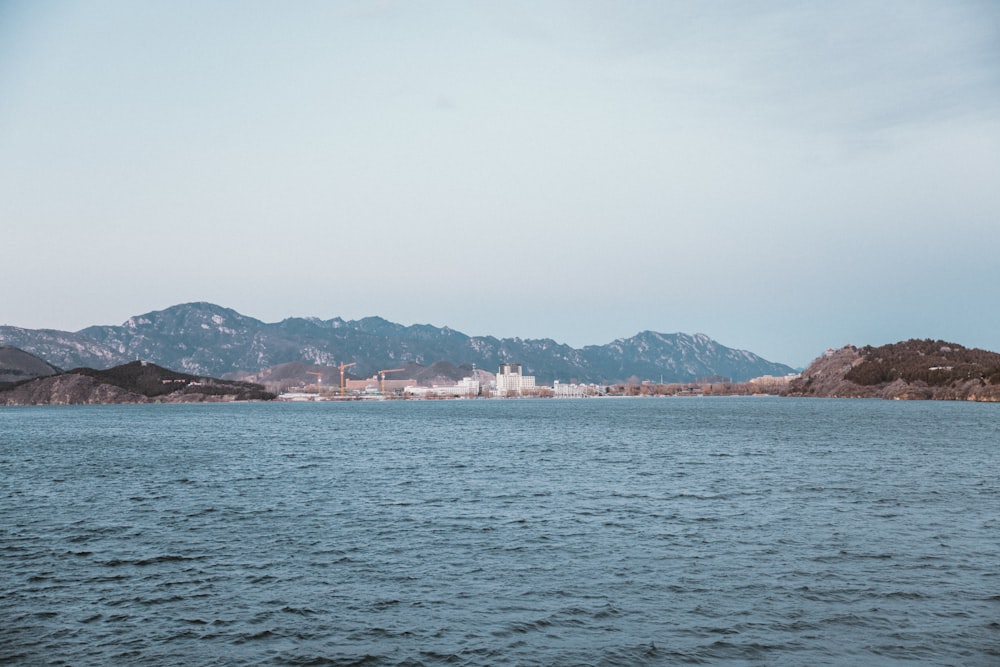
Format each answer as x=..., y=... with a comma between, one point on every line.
x=468, y=386
x=510, y=381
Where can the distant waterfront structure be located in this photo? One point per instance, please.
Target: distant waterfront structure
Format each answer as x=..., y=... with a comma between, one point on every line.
x=573, y=390
x=467, y=387
x=371, y=385
x=511, y=382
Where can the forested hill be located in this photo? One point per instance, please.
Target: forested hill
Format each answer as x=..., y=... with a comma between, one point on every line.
x=912, y=369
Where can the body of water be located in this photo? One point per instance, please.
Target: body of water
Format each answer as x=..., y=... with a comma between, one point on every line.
x=730, y=531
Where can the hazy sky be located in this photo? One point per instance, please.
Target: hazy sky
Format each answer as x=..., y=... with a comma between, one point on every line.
x=782, y=176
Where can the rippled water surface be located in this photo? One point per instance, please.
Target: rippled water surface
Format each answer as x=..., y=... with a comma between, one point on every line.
x=737, y=531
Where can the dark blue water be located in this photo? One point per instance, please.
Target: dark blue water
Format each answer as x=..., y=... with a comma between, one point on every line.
x=729, y=531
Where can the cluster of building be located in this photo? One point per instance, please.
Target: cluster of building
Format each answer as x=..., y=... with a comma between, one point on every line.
x=573, y=390
x=467, y=387
x=511, y=382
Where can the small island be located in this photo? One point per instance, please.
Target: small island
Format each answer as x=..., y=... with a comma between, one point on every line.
x=909, y=370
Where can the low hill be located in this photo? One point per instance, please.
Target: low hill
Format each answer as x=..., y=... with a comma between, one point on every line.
x=16, y=366
x=135, y=382
x=913, y=369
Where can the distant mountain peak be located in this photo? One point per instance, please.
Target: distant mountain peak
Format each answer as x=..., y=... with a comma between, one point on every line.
x=207, y=339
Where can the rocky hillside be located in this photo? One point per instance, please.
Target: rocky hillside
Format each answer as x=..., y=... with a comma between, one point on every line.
x=135, y=382
x=206, y=339
x=63, y=348
x=913, y=369
x=68, y=389
x=678, y=357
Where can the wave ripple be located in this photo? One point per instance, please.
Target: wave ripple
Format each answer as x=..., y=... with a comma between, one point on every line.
x=592, y=532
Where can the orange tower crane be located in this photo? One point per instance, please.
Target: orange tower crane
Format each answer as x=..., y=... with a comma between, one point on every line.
x=319, y=381
x=342, y=367
x=388, y=370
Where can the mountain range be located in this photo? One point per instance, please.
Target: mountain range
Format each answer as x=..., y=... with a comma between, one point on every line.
x=207, y=339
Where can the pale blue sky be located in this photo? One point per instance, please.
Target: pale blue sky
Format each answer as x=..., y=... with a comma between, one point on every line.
x=782, y=176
